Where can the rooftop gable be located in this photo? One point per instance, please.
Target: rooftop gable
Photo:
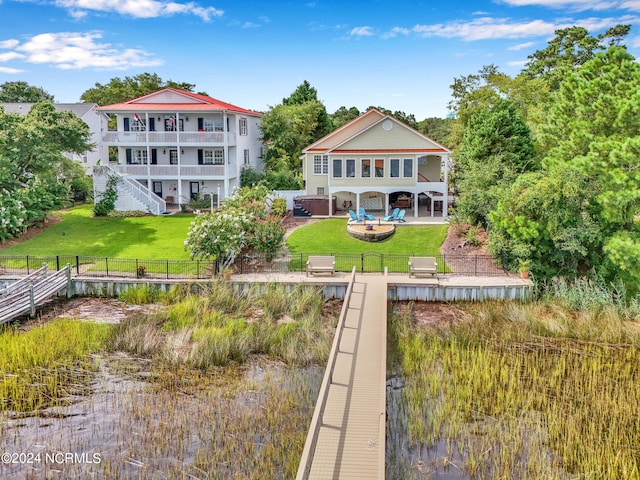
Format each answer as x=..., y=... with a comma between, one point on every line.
x=374, y=131
x=172, y=99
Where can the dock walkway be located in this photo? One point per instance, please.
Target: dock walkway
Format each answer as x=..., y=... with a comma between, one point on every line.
x=347, y=436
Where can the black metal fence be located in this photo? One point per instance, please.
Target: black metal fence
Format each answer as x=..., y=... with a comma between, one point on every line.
x=468, y=265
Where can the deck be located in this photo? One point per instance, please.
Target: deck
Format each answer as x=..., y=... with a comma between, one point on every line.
x=347, y=436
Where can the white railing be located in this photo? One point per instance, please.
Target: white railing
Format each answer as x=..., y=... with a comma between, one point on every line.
x=169, y=138
x=32, y=293
x=153, y=202
x=140, y=171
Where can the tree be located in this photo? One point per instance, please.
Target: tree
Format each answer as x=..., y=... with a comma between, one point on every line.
x=306, y=94
x=592, y=132
x=407, y=118
x=437, y=129
x=31, y=159
x=22, y=92
x=120, y=90
x=286, y=130
x=476, y=92
x=496, y=148
x=342, y=116
x=567, y=51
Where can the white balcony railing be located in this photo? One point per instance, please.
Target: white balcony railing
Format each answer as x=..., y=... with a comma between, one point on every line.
x=140, y=171
x=169, y=138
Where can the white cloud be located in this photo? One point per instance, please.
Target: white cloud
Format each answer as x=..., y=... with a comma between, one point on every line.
x=490, y=28
x=518, y=63
x=521, y=46
x=12, y=43
x=72, y=51
x=578, y=5
x=250, y=25
x=394, y=32
x=5, y=57
x=139, y=8
x=361, y=32
x=10, y=71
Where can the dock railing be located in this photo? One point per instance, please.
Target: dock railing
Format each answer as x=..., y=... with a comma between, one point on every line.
x=316, y=421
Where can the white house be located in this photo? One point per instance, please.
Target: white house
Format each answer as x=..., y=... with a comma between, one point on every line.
x=173, y=145
x=376, y=162
x=87, y=112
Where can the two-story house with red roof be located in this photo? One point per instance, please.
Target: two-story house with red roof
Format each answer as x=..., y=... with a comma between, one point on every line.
x=173, y=145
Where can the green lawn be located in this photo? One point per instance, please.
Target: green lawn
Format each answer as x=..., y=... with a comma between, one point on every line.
x=149, y=237
x=330, y=236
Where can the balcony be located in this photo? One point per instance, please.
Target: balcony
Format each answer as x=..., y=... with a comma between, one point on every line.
x=185, y=139
x=170, y=171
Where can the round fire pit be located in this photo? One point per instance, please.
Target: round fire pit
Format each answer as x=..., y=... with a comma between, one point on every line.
x=371, y=233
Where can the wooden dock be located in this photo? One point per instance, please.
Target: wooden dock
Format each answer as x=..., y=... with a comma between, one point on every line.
x=346, y=439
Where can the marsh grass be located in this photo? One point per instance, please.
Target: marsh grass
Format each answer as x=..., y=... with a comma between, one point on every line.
x=523, y=391
x=218, y=325
x=48, y=362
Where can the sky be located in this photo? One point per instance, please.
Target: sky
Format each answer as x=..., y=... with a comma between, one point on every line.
x=396, y=54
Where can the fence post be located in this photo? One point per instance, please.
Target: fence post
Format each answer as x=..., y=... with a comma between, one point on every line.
x=57, y=263
x=362, y=263
x=32, y=301
x=167, y=269
x=28, y=265
x=70, y=292
x=78, y=264
x=106, y=264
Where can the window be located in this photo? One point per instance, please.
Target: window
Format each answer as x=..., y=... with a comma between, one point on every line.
x=207, y=157
x=408, y=168
x=84, y=159
x=366, y=168
x=138, y=125
x=320, y=191
x=218, y=157
x=394, y=168
x=139, y=157
x=379, y=167
x=247, y=161
x=243, y=126
x=337, y=168
x=350, y=168
x=320, y=164
x=170, y=123
x=173, y=157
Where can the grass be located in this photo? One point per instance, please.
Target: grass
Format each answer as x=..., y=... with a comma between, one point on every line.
x=47, y=362
x=219, y=326
x=78, y=233
x=514, y=390
x=330, y=236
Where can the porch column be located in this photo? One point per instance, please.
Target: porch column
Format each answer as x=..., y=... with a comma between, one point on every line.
x=357, y=204
x=432, y=204
x=445, y=201
x=386, y=204
x=415, y=205
x=330, y=197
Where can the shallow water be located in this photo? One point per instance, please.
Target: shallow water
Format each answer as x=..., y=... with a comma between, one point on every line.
x=130, y=427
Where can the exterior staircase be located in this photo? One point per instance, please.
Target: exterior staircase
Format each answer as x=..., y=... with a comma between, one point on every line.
x=132, y=195
x=299, y=211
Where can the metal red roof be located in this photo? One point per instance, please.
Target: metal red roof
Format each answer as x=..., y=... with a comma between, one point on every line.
x=207, y=104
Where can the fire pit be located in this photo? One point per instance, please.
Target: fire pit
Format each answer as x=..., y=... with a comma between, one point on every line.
x=371, y=233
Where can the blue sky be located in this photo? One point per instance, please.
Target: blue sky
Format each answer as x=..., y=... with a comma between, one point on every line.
x=397, y=54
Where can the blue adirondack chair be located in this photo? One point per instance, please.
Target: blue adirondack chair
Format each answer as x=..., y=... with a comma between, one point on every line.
x=393, y=216
x=354, y=217
x=400, y=217
x=366, y=215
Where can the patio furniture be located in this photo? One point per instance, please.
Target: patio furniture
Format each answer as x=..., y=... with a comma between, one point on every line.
x=354, y=217
x=393, y=216
x=422, y=265
x=321, y=264
x=366, y=215
x=400, y=217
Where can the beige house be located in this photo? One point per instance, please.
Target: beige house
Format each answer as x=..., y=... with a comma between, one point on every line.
x=378, y=163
